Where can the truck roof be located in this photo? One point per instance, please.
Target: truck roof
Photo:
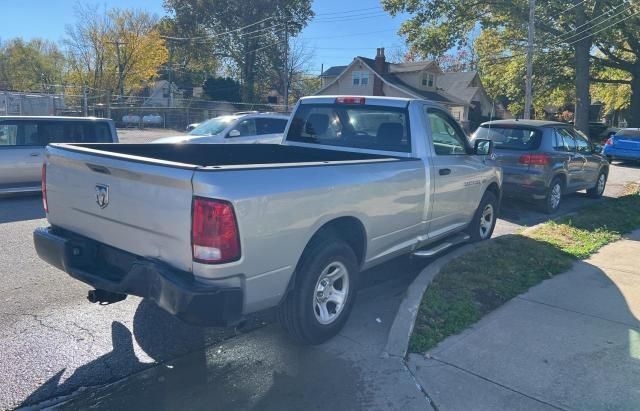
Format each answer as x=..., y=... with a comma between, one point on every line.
x=372, y=100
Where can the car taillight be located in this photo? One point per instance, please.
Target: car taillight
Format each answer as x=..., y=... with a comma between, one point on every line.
x=535, y=159
x=609, y=142
x=44, y=188
x=214, y=232
x=350, y=100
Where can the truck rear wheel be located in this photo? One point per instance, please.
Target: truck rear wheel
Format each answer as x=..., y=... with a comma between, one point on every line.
x=324, y=292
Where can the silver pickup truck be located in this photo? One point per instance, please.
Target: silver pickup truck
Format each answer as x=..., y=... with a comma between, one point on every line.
x=212, y=233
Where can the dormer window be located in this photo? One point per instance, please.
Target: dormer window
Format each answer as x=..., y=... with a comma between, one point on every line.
x=360, y=78
x=428, y=79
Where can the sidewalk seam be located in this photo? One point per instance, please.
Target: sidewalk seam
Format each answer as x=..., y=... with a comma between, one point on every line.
x=419, y=385
x=578, y=312
x=498, y=384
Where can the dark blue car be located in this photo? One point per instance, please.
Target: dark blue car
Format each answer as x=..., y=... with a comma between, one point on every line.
x=624, y=145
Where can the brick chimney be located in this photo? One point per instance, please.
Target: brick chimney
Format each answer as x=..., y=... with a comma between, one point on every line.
x=381, y=68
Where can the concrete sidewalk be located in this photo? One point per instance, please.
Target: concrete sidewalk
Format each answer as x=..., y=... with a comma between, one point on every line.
x=572, y=342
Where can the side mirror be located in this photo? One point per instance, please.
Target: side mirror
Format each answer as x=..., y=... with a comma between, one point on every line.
x=234, y=133
x=483, y=147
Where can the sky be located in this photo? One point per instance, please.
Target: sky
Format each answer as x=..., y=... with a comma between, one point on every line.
x=340, y=31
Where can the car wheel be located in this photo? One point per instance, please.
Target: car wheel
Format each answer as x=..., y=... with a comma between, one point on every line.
x=597, y=190
x=484, y=219
x=554, y=196
x=324, y=292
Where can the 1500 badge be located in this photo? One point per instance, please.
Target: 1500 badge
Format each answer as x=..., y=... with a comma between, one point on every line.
x=472, y=183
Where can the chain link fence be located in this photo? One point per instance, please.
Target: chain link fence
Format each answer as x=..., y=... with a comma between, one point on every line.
x=126, y=112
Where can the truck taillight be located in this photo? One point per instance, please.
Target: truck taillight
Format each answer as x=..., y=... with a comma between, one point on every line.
x=535, y=159
x=214, y=232
x=609, y=141
x=350, y=100
x=44, y=188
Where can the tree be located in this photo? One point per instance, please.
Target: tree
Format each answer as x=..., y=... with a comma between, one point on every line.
x=612, y=27
x=246, y=33
x=93, y=43
x=222, y=89
x=36, y=65
x=299, y=59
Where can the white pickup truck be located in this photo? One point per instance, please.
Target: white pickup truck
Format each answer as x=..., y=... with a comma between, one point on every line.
x=212, y=233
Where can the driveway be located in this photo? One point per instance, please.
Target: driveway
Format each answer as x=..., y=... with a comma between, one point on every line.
x=54, y=342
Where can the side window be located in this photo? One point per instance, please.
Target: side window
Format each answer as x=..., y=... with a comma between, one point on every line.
x=582, y=142
x=447, y=137
x=564, y=141
x=270, y=125
x=246, y=128
x=8, y=134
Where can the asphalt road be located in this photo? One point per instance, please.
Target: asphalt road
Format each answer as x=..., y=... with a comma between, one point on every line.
x=54, y=342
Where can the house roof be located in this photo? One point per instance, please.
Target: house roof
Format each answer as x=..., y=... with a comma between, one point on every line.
x=409, y=67
x=459, y=84
x=395, y=81
x=333, y=71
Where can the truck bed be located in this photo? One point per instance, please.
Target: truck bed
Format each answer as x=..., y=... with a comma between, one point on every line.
x=232, y=155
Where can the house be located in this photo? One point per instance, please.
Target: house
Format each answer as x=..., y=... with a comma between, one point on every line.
x=461, y=93
x=159, y=94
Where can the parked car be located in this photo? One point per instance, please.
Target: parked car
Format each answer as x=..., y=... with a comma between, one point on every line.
x=235, y=129
x=191, y=126
x=599, y=132
x=624, y=145
x=212, y=233
x=544, y=160
x=23, y=140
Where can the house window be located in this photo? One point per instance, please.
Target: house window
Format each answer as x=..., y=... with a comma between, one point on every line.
x=428, y=79
x=360, y=78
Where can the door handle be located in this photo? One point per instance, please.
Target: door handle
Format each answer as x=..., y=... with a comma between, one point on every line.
x=35, y=154
x=444, y=171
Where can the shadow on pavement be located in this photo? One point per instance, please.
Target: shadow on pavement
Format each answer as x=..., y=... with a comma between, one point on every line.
x=20, y=208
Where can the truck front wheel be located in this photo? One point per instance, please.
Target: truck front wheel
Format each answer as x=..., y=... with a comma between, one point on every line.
x=484, y=220
x=324, y=292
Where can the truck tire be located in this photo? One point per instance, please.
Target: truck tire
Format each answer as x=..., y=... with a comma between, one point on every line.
x=597, y=190
x=484, y=220
x=325, y=288
x=552, y=201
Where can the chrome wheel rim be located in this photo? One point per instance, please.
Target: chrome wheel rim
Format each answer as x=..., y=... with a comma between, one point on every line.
x=486, y=221
x=556, y=195
x=602, y=180
x=331, y=292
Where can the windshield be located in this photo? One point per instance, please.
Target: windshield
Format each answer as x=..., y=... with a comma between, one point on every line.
x=358, y=126
x=212, y=127
x=509, y=138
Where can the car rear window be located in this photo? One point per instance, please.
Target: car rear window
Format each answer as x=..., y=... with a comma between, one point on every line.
x=359, y=126
x=630, y=134
x=510, y=138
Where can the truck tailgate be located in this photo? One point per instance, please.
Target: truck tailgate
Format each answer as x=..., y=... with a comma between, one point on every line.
x=140, y=207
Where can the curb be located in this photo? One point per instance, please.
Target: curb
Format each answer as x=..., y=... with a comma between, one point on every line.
x=402, y=327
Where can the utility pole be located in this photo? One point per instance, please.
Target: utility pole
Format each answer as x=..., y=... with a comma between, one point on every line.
x=85, y=102
x=170, y=75
x=286, y=67
x=120, y=68
x=528, y=97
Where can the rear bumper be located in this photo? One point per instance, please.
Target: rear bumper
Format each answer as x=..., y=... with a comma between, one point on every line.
x=525, y=186
x=117, y=271
x=622, y=154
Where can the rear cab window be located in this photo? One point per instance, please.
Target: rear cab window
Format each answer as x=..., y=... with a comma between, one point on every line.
x=361, y=126
x=43, y=132
x=515, y=137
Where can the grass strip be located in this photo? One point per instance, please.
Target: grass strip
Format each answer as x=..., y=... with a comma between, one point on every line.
x=480, y=281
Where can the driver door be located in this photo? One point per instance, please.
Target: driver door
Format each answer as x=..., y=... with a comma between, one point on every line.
x=456, y=175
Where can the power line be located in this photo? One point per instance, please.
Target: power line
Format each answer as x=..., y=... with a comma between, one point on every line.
x=573, y=7
x=363, y=16
x=218, y=34
x=605, y=28
x=566, y=36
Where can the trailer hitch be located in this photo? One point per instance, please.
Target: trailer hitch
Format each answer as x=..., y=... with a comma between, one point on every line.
x=104, y=297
